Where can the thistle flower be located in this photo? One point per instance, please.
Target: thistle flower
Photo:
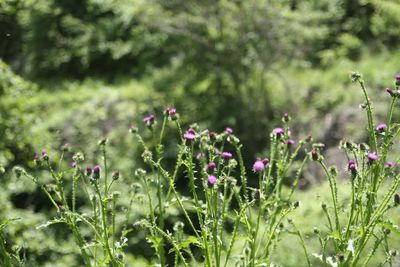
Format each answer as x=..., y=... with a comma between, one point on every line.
x=191, y=130
x=265, y=161
x=286, y=117
x=278, y=131
x=96, y=172
x=226, y=155
x=211, y=166
x=74, y=163
x=290, y=142
x=149, y=120
x=89, y=171
x=116, y=175
x=44, y=154
x=314, y=155
x=170, y=111
x=372, y=156
x=352, y=166
x=397, y=77
x=212, y=135
x=389, y=164
x=211, y=180
x=36, y=159
x=229, y=131
x=381, y=128
x=189, y=136
x=258, y=166
x=66, y=147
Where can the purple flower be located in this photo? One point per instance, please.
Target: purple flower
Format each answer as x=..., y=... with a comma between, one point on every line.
x=211, y=180
x=211, y=166
x=381, y=128
x=212, y=135
x=372, y=156
x=290, y=142
x=149, y=120
x=389, y=164
x=73, y=164
x=170, y=111
x=397, y=77
x=314, y=155
x=352, y=166
x=226, y=155
x=258, y=166
x=191, y=131
x=228, y=130
x=189, y=136
x=286, y=117
x=278, y=131
x=88, y=171
x=44, y=152
x=36, y=158
x=116, y=175
x=265, y=161
x=96, y=172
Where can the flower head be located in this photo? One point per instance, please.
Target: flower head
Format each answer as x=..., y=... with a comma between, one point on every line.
x=211, y=180
x=278, y=131
x=381, y=128
x=352, y=166
x=265, y=161
x=211, y=166
x=149, y=120
x=372, y=156
x=290, y=142
x=228, y=130
x=73, y=164
x=226, y=155
x=389, y=164
x=286, y=117
x=258, y=166
x=89, y=171
x=116, y=175
x=189, y=136
x=397, y=77
x=96, y=172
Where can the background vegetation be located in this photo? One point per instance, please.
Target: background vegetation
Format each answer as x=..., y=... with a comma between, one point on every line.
x=75, y=71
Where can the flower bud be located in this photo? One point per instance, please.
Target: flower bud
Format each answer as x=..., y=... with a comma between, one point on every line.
x=96, y=172
x=285, y=117
x=88, y=171
x=116, y=175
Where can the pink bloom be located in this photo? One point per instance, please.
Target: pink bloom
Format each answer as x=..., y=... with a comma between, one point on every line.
x=211, y=180
x=226, y=155
x=372, y=156
x=189, y=136
x=258, y=166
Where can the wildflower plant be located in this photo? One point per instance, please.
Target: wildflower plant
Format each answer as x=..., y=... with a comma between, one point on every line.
x=220, y=198
x=363, y=223
x=101, y=247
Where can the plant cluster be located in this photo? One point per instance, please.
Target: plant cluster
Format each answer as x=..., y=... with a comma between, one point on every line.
x=222, y=219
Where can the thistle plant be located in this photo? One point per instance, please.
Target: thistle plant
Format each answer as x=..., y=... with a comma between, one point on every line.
x=363, y=223
x=218, y=195
x=101, y=247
